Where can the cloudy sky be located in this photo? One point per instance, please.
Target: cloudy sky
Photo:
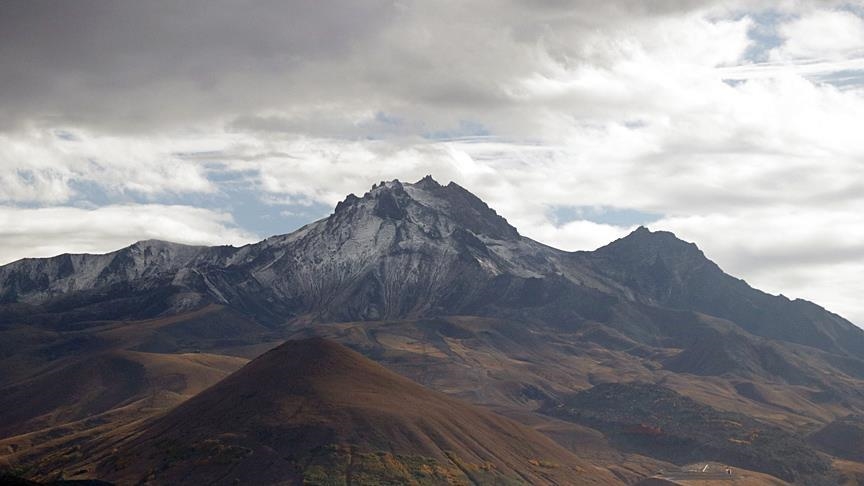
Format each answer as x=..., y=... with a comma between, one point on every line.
x=736, y=124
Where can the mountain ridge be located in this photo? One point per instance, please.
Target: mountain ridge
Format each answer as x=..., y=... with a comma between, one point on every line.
x=449, y=251
x=432, y=283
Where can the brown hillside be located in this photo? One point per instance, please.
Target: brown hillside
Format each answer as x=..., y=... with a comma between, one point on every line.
x=107, y=381
x=313, y=408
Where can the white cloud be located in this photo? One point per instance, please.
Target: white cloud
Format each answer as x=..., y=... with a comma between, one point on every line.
x=40, y=166
x=821, y=34
x=50, y=231
x=578, y=234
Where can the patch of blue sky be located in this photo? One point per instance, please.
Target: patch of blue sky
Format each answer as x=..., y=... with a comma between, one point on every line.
x=218, y=173
x=27, y=176
x=465, y=129
x=383, y=126
x=635, y=124
x=843, y=79
x=388, y=119
x=235, y=194
x=855, y=7
x=88, y=194
x=66, y=135
x=265, y=216
x=623, y=217
x=764, y=34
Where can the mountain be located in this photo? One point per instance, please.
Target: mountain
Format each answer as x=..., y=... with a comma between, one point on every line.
x=396, y=251
x=411, y=250
x=430, y=282
x=662, y=270
x=34, y=280
x=312, y=409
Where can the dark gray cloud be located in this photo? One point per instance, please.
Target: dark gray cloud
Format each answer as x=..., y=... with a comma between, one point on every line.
x=103, y=63
x=127, y=66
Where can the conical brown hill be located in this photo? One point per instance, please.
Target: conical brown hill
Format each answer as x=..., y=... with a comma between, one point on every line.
x=315, y=411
